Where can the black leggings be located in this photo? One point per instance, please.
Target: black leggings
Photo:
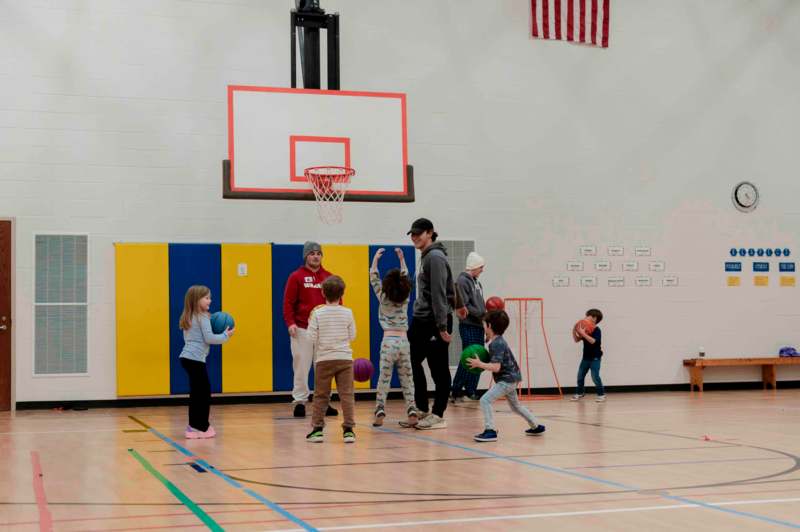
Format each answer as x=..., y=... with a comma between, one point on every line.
x=199, y=393
x=426, y=343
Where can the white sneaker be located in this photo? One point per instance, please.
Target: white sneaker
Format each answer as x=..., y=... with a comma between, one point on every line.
x=576, y=397
x=600, y=399
x=432, y=422
x=410, y=424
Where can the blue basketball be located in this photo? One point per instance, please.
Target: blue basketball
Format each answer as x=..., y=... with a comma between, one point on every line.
x=221, y=321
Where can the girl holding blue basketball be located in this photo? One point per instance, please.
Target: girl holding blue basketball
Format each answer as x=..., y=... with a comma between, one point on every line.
x=198, y=337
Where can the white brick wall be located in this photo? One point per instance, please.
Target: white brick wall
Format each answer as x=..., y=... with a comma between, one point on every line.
x=113, y=123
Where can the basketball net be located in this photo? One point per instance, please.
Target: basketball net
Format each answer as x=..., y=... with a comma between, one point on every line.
x=329, y=184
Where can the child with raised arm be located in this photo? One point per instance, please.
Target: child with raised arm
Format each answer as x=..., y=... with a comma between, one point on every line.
x=393, y=294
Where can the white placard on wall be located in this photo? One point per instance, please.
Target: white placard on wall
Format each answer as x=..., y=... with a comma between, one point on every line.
x=630, y=266
x=574, y=266
x=602, y=265
x=616, y=251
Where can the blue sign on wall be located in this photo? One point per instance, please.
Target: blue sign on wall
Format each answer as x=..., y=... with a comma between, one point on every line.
x=786, y=266
x=733, y=266
x=761, y=266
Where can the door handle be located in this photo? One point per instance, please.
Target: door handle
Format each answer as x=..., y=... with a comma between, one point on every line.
x=3, y=327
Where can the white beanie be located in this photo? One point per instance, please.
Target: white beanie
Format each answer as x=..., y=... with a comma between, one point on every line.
x=474, y=261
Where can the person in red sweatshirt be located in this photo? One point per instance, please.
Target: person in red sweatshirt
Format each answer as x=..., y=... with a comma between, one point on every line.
x=303, y=292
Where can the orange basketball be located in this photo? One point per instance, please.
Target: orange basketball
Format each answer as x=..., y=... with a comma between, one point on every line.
x=495, y=303
x=587, y=325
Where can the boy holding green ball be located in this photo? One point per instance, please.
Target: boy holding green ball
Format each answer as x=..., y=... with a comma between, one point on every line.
x=506, y=375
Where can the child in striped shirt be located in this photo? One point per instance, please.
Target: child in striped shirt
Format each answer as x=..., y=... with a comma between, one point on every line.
x=393, y=294
x=331, y=328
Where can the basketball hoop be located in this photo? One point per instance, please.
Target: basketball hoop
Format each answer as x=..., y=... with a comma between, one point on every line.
x=329, y=184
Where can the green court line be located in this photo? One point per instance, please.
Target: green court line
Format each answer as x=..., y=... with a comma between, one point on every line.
x=189, y=503
x=140, y=422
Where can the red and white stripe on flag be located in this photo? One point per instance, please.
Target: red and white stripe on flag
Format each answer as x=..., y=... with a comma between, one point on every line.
x=580, y=21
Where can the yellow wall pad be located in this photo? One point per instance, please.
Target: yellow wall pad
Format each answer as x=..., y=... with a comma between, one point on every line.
x=351, y=263
x=247, y=296
x=142, y=306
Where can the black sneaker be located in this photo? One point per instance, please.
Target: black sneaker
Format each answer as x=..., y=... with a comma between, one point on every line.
x=331, y=411
x=299, y=410
x=535, y=432
x=486, y=435
x=349, y=436
x=315, y=436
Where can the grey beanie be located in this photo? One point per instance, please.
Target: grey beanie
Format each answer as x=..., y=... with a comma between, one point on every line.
x=310, y=246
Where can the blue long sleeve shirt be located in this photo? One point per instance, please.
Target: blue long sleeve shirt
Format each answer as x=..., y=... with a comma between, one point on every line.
x=199, y=338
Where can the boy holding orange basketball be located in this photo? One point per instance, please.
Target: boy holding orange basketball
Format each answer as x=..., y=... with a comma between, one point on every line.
x=586, y=330
x=331, y=328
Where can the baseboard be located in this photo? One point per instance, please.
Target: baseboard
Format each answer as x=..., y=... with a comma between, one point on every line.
x=367, y=395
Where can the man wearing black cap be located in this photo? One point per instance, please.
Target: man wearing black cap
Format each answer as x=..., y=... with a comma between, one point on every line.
x=429, y=334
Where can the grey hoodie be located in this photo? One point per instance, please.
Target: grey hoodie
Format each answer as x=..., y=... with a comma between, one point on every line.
x=472, y=294
x=435, y=290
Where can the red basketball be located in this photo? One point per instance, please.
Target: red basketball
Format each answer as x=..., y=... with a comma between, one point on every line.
x=495, y=303
x=362, y=369
x=587, y=325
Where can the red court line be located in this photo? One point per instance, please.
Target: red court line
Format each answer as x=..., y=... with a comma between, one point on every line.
x=45, y=519
x=377, y=514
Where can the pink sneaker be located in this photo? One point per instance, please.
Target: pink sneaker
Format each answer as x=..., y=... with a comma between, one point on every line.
x=210, y=433
x=191, y=434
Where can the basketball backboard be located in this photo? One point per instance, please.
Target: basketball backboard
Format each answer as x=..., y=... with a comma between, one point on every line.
x=275, y=133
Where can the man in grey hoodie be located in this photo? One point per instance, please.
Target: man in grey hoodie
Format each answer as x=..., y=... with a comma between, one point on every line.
x=432, y=323
x=471, y=326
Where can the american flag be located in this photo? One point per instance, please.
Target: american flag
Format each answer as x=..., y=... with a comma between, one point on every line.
x=580, y=21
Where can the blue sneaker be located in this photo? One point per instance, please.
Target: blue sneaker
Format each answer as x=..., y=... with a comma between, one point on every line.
x=535, y=432
x=486, y=435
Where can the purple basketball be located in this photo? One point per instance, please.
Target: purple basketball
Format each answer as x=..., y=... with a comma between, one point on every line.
x=362, y=369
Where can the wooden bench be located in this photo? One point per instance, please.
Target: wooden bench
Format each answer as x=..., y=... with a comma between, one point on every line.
x=767, y=364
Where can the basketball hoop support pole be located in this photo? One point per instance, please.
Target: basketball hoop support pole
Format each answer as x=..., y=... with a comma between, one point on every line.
x=310, y=23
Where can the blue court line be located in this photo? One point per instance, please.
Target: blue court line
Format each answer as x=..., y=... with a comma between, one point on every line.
x=211, y=469
x=589, y=477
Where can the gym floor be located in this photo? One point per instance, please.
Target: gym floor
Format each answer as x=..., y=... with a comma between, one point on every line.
x=640, y=461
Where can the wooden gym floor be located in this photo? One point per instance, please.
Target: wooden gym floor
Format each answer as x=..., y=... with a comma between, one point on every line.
x=641, y=461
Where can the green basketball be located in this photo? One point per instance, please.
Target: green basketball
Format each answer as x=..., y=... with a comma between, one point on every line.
x=471, y=351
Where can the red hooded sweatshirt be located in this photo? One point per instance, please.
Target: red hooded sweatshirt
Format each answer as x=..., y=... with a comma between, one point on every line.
x=303, y=292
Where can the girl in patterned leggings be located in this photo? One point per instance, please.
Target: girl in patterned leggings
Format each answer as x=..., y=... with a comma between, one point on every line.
x=393, y=293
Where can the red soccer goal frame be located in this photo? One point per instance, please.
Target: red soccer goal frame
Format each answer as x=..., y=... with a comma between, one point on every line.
x=522, y=331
